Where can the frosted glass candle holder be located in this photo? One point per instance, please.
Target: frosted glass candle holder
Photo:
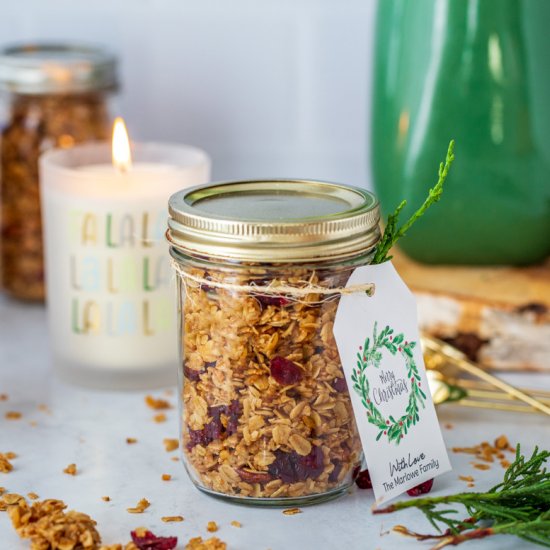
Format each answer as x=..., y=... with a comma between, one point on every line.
x=110, y=292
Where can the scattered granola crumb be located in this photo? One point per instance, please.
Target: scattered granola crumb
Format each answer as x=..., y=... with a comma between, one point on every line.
x=33, y=423
x=5, y=465
x=449, y=426
x=175, y=458
x=236, y=523
x=106, y=499
x=131, y=440
x=487, y=452
x=13, y=415
x=504, y=463
x=171, y=444
x=169, y=519
x=70, y=469
x=466, y=478
x=157, y=403
x=471, y=485
x=480, y=466
x=502, y=442
x=213, y=543
x=2, y=491
x=10, y=455
x=44, y=408
x=166, y=477
x=160, y=417
x=3, y=396
x=212, y=527
x=33, y=496
x=292, y=511
x=140, y=507
x=48, y=525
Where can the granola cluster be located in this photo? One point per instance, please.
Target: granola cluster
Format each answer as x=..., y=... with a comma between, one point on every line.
x=37, y=123
x=266, y=409
x=49, y=526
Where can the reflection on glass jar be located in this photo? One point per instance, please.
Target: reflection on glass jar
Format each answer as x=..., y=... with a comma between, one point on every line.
x=266, y=414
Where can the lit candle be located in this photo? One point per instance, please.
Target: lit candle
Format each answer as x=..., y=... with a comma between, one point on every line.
x=109, y=288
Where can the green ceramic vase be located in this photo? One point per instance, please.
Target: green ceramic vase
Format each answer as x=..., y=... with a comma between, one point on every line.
x=477, y=71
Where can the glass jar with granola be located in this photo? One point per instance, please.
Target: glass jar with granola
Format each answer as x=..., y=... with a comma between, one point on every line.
x=57, y=95
x=266, y=416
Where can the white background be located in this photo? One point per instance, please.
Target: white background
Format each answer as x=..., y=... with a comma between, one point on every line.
x=268, y=87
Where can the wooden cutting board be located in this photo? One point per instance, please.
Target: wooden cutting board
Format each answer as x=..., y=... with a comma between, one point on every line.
x=499, y=315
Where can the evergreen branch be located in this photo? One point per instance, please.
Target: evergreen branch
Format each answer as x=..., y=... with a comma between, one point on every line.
x=391, y=233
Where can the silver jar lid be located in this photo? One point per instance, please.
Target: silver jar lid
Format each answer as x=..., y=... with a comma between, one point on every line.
x=274, y=221
x=52, y=68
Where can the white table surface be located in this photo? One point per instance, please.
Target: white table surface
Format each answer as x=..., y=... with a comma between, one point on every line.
x=90, y=429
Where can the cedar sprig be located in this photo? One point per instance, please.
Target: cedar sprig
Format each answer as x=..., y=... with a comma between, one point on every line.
x=391, y=232
x=519, y=505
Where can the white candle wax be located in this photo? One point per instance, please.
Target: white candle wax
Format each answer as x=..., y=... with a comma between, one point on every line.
x=110, y=291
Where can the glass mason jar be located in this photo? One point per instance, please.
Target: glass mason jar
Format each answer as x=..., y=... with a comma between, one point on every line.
x=266, y=416
x=57, y=96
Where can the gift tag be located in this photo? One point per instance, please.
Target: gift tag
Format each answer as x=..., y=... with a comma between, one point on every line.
x=379, y=345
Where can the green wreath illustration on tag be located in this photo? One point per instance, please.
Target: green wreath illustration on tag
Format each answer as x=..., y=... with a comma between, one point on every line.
x=370, y=355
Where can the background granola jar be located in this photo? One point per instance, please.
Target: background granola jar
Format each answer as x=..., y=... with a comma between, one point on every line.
x=266, y=416
x=55, y=96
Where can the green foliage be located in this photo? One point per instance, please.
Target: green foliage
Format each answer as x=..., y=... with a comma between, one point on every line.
x=391, y=232
x=371, y=355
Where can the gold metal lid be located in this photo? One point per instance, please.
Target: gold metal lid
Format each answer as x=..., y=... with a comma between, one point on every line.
x=274, y=220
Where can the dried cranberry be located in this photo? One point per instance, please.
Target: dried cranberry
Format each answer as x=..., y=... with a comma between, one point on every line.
x=148, y=541
x=292, y=467
x=192, y=374
x=195, y=375
x=205, y=287
x=217, y=428
x=285, y=372
x=363, y=480
x=421, y=489
x=339, y=384
x=277, y=301
x=254, y=477
x=336, y=472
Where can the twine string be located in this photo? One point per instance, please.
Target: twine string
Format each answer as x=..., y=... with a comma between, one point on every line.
x=283, y=290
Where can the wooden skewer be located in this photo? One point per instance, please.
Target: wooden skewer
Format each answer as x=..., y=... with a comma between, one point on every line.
x=459, y=360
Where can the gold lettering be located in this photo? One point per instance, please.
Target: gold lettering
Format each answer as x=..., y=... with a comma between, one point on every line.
x=91, y=318
x=89, y=229
x=110, y=277
x=147, y=331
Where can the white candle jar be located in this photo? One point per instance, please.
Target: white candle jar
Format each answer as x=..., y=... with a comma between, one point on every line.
x=266, y=413
x=112, y=317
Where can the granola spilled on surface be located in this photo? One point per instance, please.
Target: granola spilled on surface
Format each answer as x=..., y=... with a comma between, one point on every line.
x=266, y=409
x=49, y=526
x=213, y=543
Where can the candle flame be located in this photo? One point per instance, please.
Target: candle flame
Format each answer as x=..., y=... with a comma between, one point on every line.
x=122, y=158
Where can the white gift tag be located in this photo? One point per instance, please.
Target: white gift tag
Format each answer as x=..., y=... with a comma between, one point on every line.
x=379, y=345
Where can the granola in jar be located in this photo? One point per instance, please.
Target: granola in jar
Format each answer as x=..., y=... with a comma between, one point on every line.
x=266, y=415
x=57, y=98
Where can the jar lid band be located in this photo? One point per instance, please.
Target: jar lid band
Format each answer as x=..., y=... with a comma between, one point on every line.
x=274, y=220
x=53, y=68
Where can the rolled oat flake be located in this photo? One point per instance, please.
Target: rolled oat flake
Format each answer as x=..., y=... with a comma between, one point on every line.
x=261, y=265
